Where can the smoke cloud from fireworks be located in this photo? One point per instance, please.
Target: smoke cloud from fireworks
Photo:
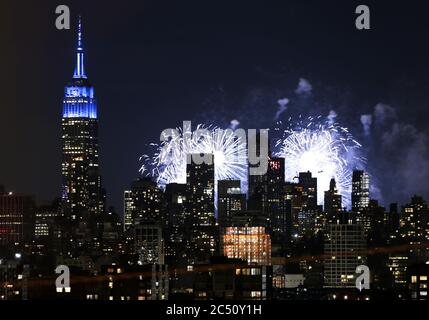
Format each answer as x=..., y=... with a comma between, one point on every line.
x=304, y=87
x=366, y=120
x=282, y=107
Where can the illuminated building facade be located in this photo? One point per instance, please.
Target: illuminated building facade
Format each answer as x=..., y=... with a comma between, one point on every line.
x=397, y=264
x=414, y=228
x=294, y=202
x=149, y=243
x=200, y=189
x=418, y=281
x=247, y=238
x=230, y=200
x=16, y=220
x=82, y=194
x=128, y=209
x=201, y=228
x=131, y=283
x=344, y=251
x=252, y=244
x=145, y=201
x=45, y=220
x=275, y=205
x=47, y=228
x=360, y=192
x=231, y=279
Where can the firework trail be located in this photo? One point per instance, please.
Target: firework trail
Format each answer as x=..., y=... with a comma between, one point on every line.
x=322, y=147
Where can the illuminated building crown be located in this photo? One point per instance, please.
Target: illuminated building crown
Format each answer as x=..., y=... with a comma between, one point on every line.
x=79, y=99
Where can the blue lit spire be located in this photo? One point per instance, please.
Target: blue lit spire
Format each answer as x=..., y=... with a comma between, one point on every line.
x=79, y=71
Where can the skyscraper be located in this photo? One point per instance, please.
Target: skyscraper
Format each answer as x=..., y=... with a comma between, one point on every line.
x=308, y=215
x=414, y=229
x=82, y=194
x=257, y=184
x=230, y=200
x=200, y=205
x=332, y=201
x=360, y=191
x=309, y=189
x=146, y=201
x=149, y=243
x=200, y=189
x=176, y=218
x=344, y=251
x=128, y=210
x=294, y=202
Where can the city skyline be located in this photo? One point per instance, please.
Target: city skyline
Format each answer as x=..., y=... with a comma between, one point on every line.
x=303, y=191
x=240, y=98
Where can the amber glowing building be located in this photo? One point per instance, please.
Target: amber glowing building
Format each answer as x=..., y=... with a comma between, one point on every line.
x=247, y=238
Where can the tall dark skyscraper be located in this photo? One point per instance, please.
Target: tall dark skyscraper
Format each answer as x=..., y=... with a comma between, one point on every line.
x=230, y=200
x=360, y=191
x=175, y=225
x=333, y=200
x=82, y=194
x=307, y=216
x=309, y=189
x=257, y=184
x=200, y=202
x=275, y=205
x=200, y=188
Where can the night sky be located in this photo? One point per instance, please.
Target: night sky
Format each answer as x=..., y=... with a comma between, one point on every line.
x=156, y=63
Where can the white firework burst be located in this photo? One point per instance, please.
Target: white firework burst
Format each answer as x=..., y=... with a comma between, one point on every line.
x=168, y=163
x=325, y=149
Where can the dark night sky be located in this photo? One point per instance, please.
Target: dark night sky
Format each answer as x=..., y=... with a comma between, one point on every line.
x=157, y=63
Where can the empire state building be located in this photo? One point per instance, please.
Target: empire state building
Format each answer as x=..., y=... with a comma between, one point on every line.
x=82, y=195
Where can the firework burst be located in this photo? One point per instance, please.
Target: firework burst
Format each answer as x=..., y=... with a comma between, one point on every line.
x=324, y=148
x=168, y=163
